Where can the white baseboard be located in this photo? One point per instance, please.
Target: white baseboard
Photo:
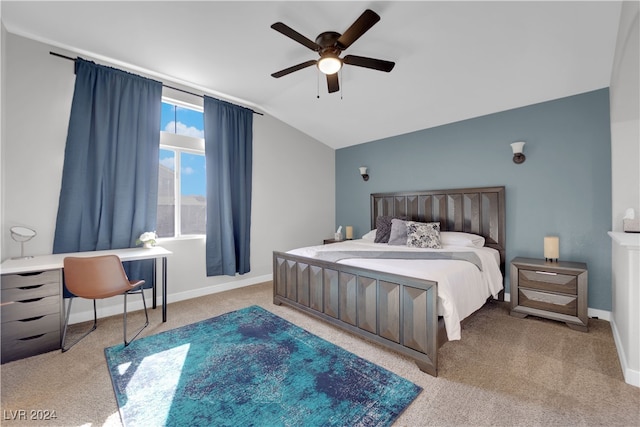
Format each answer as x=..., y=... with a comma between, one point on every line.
x=599, y=314
x=181, y=296
x=631, y=376
x=135, y=303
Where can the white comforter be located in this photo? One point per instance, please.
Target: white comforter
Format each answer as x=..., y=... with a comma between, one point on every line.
x=462, y=287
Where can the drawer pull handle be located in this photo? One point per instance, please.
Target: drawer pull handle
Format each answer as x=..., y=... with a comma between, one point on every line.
x=25, y=288
x=34, y=273
x=26, y=301
x=548, y=273
x=31, y=319
x=31, y=338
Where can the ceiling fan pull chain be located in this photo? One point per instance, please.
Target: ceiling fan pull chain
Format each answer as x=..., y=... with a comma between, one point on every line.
x=317, y=84
x=342, y=85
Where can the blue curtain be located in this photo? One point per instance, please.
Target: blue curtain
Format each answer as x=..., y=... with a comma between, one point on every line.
x=110, y=176
x=228, y=139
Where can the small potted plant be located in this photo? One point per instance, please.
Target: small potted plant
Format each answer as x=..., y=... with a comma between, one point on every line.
x=147, y=239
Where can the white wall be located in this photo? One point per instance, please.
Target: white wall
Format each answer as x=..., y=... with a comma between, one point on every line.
x=625, y=117
x=3, y=37
x=293, y=201
x=625, y=180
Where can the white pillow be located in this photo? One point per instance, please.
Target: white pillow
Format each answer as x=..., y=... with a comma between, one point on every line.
x=370, y=235
x=458, y=238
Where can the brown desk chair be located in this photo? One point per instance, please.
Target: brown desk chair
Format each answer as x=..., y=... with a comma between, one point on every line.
x=96, y=278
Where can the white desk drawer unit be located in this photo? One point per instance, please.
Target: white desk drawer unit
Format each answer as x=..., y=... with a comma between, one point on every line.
x=31, y=313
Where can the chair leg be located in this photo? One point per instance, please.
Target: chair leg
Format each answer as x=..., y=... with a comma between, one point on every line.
x=146, y=315
x=66, y=324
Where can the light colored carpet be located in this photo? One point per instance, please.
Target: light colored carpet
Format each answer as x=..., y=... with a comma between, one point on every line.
x=505, y=371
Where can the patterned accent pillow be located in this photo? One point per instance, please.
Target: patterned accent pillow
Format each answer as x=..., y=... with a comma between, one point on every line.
x=423, y=235
x=383, y=228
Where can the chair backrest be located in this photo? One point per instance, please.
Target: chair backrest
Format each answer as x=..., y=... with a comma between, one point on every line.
x=95, y=277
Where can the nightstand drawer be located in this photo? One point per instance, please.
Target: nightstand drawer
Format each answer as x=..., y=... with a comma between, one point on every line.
x=548, y=281
x=563, y=304
x=29, y=346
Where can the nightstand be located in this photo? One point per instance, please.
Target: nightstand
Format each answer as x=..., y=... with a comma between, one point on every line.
x=553, y=290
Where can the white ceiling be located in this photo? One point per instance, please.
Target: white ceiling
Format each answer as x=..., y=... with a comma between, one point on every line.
x=454, y=60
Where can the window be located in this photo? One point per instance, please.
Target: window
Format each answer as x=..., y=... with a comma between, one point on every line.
x=182, y=120
x=182, y=199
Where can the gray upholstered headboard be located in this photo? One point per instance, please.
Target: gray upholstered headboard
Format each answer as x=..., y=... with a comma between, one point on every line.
x=472, y=210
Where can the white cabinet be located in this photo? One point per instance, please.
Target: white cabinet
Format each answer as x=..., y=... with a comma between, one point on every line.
x=626, y=302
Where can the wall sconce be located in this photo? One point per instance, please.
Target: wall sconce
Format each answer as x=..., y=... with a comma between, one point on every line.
x=363, y=172
x=517, y=148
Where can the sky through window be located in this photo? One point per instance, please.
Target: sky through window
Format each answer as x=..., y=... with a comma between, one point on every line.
x=188, y=122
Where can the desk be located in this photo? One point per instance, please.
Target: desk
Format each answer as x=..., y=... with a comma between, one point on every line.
x=56, y=262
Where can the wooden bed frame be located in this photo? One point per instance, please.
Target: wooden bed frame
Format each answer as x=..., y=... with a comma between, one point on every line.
x=395, y=311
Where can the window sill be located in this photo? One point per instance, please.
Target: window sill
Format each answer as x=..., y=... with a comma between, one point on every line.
x=180, y=238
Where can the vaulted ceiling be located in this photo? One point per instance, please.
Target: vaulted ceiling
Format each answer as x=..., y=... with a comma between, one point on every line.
x=454, y=60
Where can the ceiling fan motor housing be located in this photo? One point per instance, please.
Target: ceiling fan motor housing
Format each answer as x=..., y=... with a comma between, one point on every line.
x=328, y=39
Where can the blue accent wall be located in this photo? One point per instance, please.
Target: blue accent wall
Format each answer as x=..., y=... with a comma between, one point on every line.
x=563, y=188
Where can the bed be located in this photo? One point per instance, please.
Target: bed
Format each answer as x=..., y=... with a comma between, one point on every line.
x=406, y=299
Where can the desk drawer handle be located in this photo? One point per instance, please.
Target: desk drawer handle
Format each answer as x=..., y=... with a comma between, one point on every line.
x=25, y=288
x=31, y=338
x=548, y=273
x=26, y=301
x=34, y=273
x=31, y=319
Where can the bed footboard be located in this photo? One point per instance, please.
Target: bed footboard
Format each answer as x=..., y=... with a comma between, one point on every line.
x=395, y=311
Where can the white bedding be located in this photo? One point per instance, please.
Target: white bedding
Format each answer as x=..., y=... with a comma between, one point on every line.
x=462, y=287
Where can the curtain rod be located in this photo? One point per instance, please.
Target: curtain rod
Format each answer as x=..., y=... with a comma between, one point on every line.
x=164, y=85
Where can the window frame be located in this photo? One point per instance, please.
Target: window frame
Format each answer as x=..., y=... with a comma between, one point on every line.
x=180, y=144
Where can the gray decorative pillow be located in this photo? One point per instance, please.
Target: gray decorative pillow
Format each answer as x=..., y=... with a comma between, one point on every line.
x=398, y=236
x=423, y=235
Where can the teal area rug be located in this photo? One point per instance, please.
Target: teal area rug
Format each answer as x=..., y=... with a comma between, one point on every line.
x=251, y=367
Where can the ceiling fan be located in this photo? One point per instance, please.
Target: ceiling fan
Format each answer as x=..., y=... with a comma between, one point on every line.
x=330, y=45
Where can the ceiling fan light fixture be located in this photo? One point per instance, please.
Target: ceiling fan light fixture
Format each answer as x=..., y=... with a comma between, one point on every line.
x=329, y=64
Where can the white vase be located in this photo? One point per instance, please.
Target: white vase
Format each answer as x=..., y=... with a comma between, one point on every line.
x=147, y=245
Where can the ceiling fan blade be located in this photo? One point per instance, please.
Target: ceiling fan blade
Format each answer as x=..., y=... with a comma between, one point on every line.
x=293, y=34
x=367, y=20
x=374, y=64
x=290, y=70
x=332, y=82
